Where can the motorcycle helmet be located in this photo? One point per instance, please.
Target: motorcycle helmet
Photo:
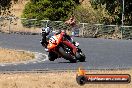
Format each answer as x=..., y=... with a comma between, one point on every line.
x=46, y=30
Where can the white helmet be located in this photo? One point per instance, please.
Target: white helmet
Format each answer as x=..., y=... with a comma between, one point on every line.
x=46, y=30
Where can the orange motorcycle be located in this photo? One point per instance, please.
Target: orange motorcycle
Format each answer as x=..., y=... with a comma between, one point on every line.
x=59, y=46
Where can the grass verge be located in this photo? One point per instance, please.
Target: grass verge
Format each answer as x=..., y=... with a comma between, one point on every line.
x=56, y=80
x=8, y=55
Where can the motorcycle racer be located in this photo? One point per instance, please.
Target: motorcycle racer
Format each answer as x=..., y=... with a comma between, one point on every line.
x=59, y=44
x=47, y=33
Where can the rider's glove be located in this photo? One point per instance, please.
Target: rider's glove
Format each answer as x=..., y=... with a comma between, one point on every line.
x=46, y=50
x=40, y=41
x=76, y=44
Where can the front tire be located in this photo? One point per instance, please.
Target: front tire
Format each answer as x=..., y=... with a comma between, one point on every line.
x=52, y=56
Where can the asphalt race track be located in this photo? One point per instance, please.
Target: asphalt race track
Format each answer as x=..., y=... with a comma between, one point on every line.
x=100, y=54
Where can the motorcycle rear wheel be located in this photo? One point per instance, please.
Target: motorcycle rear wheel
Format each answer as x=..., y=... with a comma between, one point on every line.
x=80, y=56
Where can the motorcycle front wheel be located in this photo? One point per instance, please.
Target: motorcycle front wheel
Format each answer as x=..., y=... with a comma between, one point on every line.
x=52, y=56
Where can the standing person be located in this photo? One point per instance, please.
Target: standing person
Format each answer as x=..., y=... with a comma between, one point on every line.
x=72, y=23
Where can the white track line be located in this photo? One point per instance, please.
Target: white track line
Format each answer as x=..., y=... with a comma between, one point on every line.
x=34, y=62
x=2, y=65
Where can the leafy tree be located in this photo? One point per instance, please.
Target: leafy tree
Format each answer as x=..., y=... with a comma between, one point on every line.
x=89, y=15
x=77, y=1
x=114, y=7
x=5, y=6
x=48, y=9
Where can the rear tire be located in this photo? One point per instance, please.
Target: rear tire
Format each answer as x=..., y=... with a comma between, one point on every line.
x=67, y=56
x=80, y=56
x=73, y=60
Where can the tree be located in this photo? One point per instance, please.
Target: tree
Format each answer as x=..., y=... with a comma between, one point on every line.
x=77, y=1
x=48, y=9
x=5, y=6
x=114, y=7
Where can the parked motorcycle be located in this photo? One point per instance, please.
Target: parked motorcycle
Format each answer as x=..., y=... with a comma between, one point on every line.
x=59, y=46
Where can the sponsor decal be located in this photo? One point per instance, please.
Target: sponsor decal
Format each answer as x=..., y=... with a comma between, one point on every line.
x=83, y=78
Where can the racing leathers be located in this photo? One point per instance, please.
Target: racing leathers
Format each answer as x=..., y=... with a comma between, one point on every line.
x=46, y=37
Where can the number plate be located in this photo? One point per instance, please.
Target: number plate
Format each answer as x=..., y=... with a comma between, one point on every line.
x=52, y=39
